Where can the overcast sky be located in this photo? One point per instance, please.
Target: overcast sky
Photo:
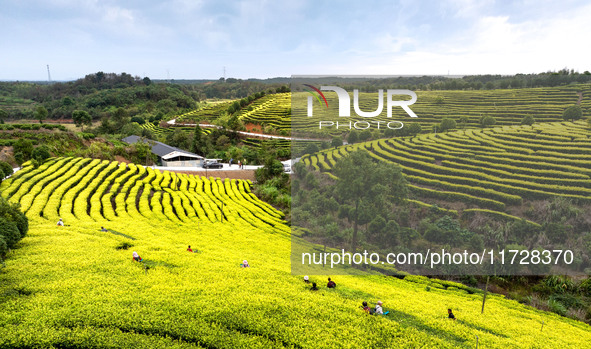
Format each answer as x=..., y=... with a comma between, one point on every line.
x=184, y=39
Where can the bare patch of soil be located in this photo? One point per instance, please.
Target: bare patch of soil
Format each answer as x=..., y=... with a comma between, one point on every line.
x=121, y=159
x=250, y=127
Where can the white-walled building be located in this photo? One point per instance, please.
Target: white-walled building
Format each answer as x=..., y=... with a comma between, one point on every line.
x=167, y=155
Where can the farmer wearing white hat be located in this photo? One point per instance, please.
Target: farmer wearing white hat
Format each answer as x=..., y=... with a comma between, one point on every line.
x=379, y=310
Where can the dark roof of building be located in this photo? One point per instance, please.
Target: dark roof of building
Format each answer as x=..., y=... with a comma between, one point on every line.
x=160, y=148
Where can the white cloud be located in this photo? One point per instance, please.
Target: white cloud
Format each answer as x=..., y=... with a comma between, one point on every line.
x=185, y=6
x=117, y=15
x=262, y=38
x=494, y=44
x=467, y=9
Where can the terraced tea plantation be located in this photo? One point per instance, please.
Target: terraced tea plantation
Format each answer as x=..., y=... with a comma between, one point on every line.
x=78, y=287
x=487, y=170
x=207, y=113
x=7, y=102
x=78, y=188
x=160, y=131
x=271, y=110
x=507, y=106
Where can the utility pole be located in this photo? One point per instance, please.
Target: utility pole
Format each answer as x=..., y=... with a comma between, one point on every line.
x=485, y=292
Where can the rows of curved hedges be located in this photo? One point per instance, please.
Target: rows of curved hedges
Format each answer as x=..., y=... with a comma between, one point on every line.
x=163, y=131
x=490, y=169
x=100, y=297
x=94, y=190
x=506, y=106
x=273, y=110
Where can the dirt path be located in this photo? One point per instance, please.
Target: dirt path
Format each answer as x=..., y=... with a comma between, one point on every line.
x=580, y=94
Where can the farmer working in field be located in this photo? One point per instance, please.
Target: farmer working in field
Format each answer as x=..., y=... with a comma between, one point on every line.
x=378, y=309
x=450, y=315
x=365, y=307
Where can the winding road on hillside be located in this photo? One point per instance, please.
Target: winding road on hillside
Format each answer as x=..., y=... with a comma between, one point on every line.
x=250, y=134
